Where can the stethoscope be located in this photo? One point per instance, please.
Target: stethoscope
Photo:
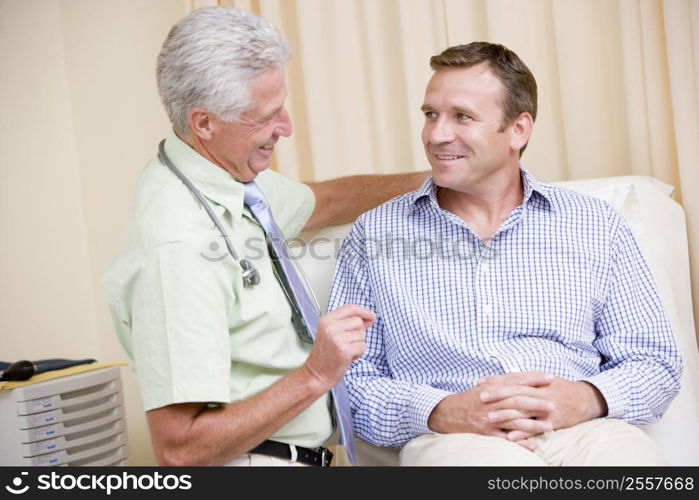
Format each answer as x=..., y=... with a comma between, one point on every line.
x=251, y=275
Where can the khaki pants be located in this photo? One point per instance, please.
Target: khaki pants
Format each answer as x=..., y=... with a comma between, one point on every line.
x=597, y=442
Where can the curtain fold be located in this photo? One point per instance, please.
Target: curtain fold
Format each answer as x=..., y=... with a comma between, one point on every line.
x=681, y=19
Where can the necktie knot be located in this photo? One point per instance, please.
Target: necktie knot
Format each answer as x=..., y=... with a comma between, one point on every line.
x=253, y=196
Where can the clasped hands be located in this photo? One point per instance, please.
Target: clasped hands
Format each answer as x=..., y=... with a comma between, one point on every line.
x=518, y=406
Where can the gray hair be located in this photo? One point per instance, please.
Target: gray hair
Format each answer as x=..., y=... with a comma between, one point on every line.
x=209, y=59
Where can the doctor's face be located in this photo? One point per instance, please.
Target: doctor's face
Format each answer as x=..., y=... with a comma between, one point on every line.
x=462, y=135
x=244, y=148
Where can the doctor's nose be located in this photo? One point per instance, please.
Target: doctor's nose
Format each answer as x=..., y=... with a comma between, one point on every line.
x=284, y=127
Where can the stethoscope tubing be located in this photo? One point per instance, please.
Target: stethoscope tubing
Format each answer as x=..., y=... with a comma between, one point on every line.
x=164, y=158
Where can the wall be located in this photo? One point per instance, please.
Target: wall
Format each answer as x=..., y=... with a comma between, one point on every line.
x=80, y=118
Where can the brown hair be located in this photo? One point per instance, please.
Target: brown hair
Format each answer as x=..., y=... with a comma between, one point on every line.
x=520, y=85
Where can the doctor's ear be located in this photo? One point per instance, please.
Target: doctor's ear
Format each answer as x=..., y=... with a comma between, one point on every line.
x=200, y=123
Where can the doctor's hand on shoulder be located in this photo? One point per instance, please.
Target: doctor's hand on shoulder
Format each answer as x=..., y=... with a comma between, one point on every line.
x=340, y=339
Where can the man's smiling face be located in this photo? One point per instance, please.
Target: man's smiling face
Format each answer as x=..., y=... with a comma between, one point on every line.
x=244, y=148
x=463, y=134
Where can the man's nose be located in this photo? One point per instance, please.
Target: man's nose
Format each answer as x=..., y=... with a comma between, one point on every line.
x=438, y=132
x=284, y=127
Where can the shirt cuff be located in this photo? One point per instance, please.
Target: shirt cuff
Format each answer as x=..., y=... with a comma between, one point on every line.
x=615, y=396
x=158, y=393
x=423, y=401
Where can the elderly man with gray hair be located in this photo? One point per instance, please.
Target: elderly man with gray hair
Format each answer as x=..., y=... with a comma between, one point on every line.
x=201, y=296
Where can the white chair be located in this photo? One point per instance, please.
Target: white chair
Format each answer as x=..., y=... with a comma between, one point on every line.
x=659, y=225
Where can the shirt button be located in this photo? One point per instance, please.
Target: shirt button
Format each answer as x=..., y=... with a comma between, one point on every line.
x=484, y=267
x=487, y=309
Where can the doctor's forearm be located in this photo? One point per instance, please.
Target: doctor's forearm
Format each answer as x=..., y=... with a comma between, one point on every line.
x=342, y=200
x=213, y=436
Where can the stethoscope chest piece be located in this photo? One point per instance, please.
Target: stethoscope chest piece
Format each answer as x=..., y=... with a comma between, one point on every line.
x=251, y=276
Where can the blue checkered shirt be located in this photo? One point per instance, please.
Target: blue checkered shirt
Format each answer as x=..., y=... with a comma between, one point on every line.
x=561, y=287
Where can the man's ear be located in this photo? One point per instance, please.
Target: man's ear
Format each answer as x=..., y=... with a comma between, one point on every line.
x=521, y=130
x=201, y=123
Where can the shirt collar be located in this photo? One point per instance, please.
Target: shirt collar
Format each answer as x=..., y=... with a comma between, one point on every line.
x=428, y=190
x=531, y=186
x=210, y=179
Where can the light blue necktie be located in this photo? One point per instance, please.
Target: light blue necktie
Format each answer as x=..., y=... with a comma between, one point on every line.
x=256, y=202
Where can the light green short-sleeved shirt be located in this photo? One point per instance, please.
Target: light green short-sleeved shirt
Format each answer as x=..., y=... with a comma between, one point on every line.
x=192, y=331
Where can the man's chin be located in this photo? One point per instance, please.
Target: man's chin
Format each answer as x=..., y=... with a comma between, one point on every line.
x=441, y=178
x=256, y=170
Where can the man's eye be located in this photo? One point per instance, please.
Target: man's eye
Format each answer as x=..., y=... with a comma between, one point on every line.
x=462, y=117
x=269, y=118
x=430, y=115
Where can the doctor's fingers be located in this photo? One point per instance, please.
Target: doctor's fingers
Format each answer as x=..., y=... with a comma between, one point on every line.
x=351, y=337
x=350, y=342
x=357, y=349
x=353, y=310
x=341, y=325
x=356, y=336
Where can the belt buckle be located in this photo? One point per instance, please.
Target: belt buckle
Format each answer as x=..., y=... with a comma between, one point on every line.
x=326, y=456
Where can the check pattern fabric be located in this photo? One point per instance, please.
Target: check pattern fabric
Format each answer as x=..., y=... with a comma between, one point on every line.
x=561, y=287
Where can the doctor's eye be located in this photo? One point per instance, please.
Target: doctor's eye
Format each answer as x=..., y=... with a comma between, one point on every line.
x=218, y=254
x=430, y=115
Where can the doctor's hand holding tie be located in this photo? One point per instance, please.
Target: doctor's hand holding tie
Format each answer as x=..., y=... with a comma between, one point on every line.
x=340, y=339
x=338, y=336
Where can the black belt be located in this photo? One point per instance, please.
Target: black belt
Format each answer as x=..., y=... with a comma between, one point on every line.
x=319, y=457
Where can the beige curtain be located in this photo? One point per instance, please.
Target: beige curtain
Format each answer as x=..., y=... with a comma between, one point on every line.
x=618, y=85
